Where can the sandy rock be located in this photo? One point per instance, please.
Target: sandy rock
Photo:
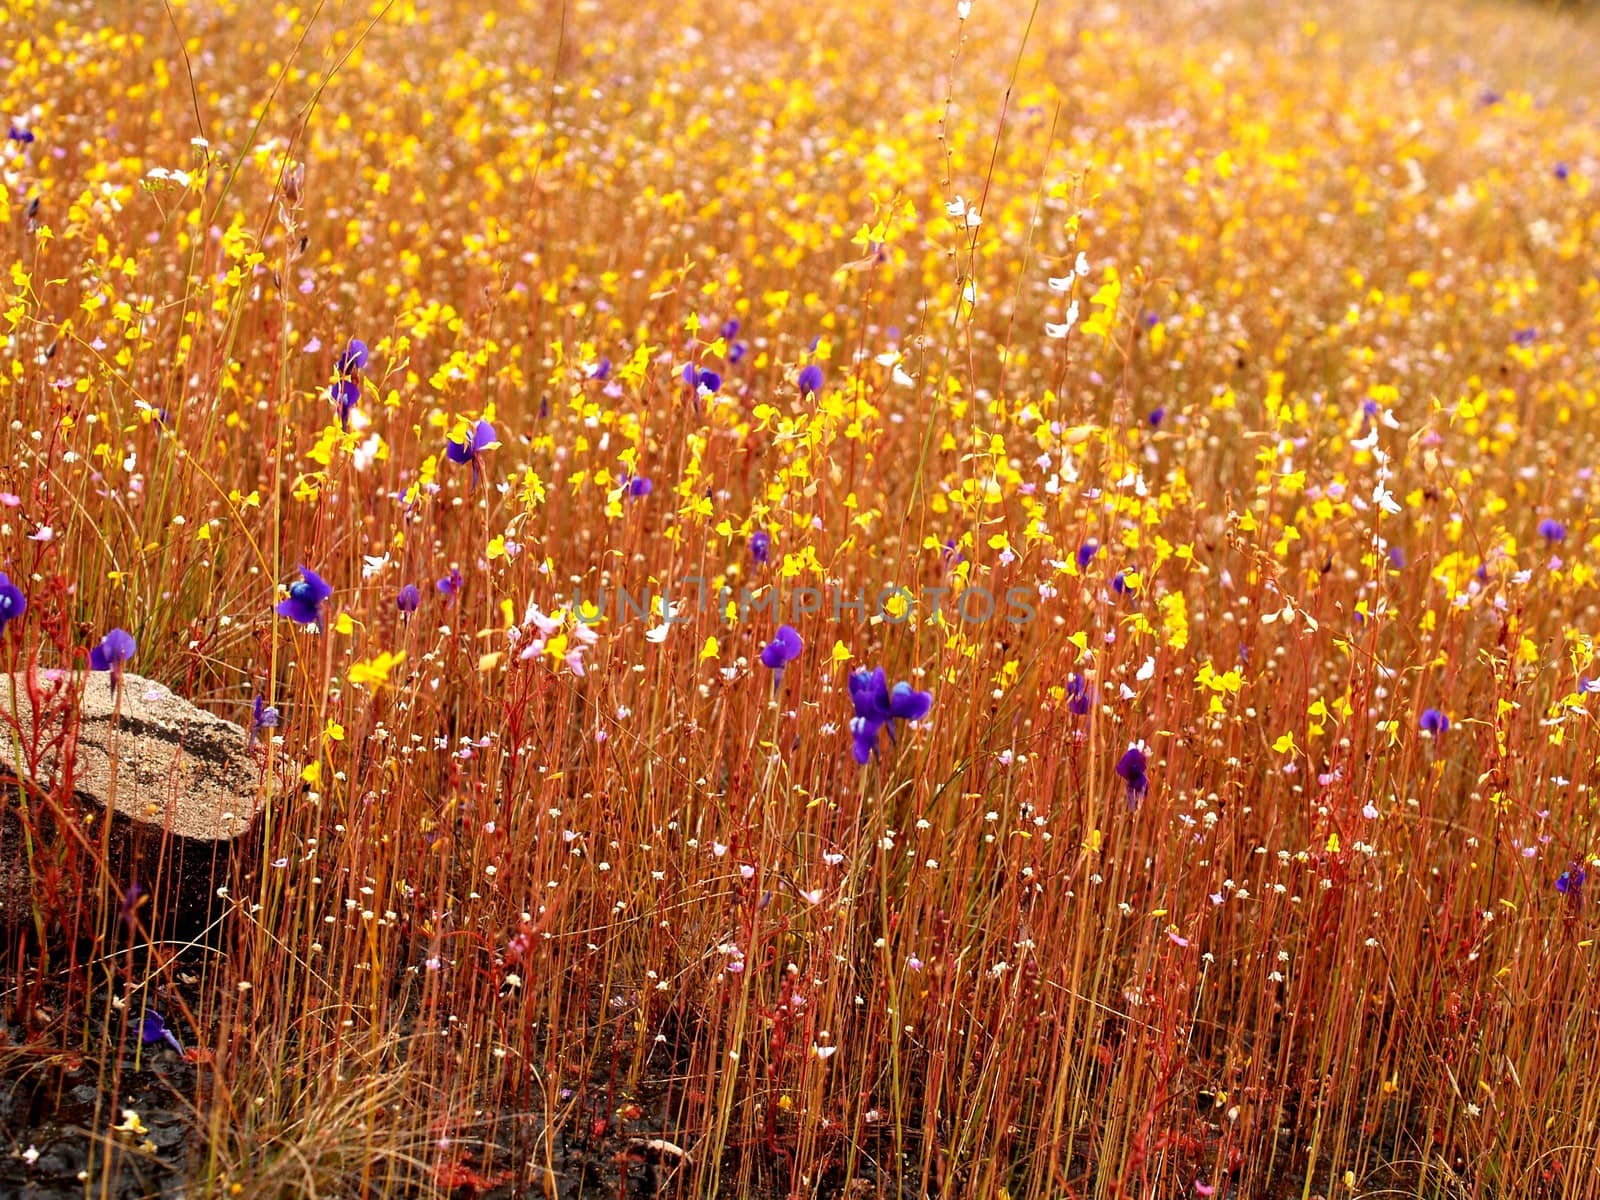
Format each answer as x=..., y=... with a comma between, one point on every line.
x=183, y=786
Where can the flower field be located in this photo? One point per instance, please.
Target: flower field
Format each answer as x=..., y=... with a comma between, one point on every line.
x=979, y=600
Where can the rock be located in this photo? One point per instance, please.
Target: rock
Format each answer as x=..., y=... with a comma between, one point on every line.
x=182, y=785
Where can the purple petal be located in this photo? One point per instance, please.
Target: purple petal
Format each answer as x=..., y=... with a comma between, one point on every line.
x=354, y=357
x=320, y=588
x=116, y=648
x=908, y=704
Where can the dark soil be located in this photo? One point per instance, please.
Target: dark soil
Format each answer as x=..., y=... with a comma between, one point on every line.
x=48, y=1147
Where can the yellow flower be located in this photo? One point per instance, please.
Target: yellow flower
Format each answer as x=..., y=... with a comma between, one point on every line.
x=375, y=672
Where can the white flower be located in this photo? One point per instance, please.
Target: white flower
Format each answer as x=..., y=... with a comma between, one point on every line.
x=963, y=10
x=957, y=208
x=367, y=453
x=1060, y=283
x=1056, y=332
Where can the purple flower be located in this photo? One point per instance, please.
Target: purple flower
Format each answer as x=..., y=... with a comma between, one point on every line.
x=735, y=353
x=478, y=439
x=782, y=650
x=878, y=706
x=638, y=485
x=908, y=704
x=353, y=359
x=346, y=389
x=12, y=602
x=1157, y=415
x=702, y=380
x=345, y=392
x=303, y=605
x=601, y=370
x=19, y=134
x=1132, y=766
x=408, y=599
x=1562, y=171
x=1570, y=882
x=1119, y=583
x=1397, y=558
x=262, y=716
x=154, y=1029
x=1080, y=696
x=130, y=902
x=760, y=546
x=730, y=328
x=1086, y=553
x=1552, y=530
x=450, y=584
x=810, y=380
x=1433, y=721
x=116, y=648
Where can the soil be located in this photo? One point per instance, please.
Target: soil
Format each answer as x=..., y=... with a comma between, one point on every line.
x=52, y=1103
x=47, y=1115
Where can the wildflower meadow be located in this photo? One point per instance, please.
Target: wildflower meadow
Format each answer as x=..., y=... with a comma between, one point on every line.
x=987, y=600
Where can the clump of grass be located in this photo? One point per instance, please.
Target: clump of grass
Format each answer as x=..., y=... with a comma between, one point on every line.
x=1198, y=414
